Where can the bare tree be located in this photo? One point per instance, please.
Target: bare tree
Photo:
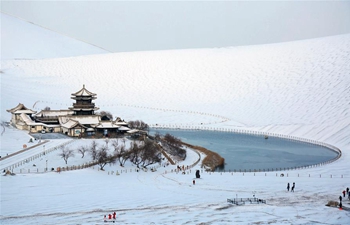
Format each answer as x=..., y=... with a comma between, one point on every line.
x=118, y=150
x=106, y=114
x=121, y=154
x=82, y=150
x=66, y=153
x=151, y=153
x=136, y=154
x=173, y=146
x=157, y=136
x=145, y=153
x=107, y=141
x=138, y=124
x=93, y=150
x=115, y=144
x=103, y=157
x=172, y=140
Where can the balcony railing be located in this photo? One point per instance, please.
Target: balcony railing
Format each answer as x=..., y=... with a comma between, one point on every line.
x=92, y=105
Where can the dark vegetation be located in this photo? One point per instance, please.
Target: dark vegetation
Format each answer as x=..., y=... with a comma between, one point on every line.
x=138, y=124
x=171, y=145
x=140, y=153
x=105, y=115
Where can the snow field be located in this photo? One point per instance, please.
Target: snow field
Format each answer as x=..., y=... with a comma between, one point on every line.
x=146, y=197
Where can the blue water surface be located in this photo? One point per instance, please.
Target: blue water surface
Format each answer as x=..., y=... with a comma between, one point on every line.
x=254, y=152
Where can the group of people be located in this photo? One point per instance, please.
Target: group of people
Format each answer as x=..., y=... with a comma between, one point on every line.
x=110, y=217
x=345, y=192
x=183, y=169
x=293, y=187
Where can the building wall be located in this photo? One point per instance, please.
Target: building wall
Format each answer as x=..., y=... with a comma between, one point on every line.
x=14, y=119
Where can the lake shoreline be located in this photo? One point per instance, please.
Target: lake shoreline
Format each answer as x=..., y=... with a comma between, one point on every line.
x=212, y=159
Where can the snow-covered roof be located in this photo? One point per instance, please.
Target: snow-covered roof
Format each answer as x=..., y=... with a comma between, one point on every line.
x=26, y=111
x=28, y=121
x=107, y=124
x=87, y=120
x=71, y=124
x=49, y=125
x=132, y=131
x=83, y=92
x=20, y=108
x=121, y=123
x=124, y=128
x=54, y=113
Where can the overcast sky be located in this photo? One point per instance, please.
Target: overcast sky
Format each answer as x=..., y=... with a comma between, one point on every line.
x=159, y=25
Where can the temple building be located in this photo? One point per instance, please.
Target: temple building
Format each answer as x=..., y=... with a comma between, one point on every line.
x=79, y=120
x=83, y=102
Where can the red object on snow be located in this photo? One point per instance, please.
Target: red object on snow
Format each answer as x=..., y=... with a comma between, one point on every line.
x=109, y=216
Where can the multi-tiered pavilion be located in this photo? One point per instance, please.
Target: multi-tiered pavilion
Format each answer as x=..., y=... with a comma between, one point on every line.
x=79, y=120
x=83, y=102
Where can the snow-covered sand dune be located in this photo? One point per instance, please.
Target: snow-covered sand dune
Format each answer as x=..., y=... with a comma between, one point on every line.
x=24, y=40
x=302, y=83
x=298, y=88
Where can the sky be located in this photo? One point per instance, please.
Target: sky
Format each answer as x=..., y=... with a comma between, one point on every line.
x=159, y=25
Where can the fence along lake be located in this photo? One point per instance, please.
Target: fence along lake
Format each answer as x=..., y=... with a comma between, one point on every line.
x=254, y=152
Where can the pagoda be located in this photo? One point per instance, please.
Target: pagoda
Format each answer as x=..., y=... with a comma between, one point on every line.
x=83, y=102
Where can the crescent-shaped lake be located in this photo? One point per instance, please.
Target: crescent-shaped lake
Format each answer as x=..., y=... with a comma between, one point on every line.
x=254, y=152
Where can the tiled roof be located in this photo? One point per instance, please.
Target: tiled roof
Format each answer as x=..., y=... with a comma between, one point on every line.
x=84, y=92
x=54, y=113
x=21, y=108
x=107, y=124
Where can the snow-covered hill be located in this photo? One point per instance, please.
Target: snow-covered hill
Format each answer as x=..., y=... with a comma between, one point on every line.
x=300, y=86
x=23, y=40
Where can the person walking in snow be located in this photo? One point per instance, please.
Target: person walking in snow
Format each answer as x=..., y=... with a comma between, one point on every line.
x=288, y=187
x=344, y=194
x=114, y=215
x=340, y=198
x=109, y=216
x=293, y=187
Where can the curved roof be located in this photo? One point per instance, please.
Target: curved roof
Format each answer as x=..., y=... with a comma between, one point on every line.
x=70, y=123
x=54, y=113
x=83, y=92
x=84, y=109
x=20, y=108
x=124, y=128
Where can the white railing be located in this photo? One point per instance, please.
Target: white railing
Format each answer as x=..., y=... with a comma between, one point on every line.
x=269, y=134
x=34, y=157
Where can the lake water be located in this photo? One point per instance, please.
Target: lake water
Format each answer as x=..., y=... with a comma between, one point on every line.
x=244, y=152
